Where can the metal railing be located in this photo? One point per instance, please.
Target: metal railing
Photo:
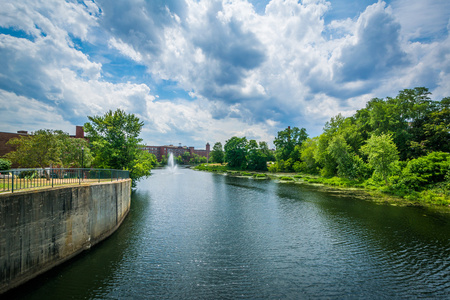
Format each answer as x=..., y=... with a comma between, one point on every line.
x=20, y=179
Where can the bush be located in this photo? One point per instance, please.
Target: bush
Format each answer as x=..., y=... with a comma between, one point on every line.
x=421, y=172
x=259, y=175
x=286, y=178
x=5, y=164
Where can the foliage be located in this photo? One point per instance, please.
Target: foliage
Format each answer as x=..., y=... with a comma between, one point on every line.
x=286, y=141
x=217, y=155
x=141, y=165
x=421, y=172
x=114, y=139
x=236, y=152
x=5, y=164
x=45, y=148
x=257, y=155
x=212, y=167
x=309, y=163
x=286, y=178
x=381, y=152
x=197, y=159
x=396, y=145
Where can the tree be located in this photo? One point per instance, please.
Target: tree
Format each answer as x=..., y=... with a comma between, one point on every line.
x=115, y=140
x=256, y=156
x=45, y=148
x=286, y=141
x=5, y=164
x=217, y=155
x=342, y=154
x=307, y=150
x=236, y=152
x=381, y=152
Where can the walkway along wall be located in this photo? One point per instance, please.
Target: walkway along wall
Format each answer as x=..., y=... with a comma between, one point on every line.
x=41, y=229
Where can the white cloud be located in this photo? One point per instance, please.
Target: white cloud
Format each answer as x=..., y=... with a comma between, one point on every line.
x=22, y=113
x=125, y=49
x=247, y=73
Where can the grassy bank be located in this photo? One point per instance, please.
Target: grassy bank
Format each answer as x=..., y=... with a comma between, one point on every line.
x=434, y=197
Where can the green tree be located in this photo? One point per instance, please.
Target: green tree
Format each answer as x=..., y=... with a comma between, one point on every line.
x=382, y=152
x=217, y=155
x=114, y=139
x=75, y=152
x=307, y=150
x=236, y=152
x=45, y=148
x=286, y=141
x=256, y=156
x=5, y=164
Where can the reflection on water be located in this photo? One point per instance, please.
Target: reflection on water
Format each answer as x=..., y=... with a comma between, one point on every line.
x=195, y=235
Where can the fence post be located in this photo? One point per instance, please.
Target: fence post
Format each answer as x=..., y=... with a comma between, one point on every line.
x=12, y=187
x=51, y=175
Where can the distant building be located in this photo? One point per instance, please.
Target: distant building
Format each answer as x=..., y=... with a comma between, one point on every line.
x=159, y=151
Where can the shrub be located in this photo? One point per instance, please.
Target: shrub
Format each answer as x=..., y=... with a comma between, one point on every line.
x=5, y=164
x=420, y=172
x=286, y=178
x=259, y=175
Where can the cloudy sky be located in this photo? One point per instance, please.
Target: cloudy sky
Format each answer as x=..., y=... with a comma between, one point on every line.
x=200, y=71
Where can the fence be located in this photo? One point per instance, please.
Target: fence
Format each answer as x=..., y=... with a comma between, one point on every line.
x=20, y=179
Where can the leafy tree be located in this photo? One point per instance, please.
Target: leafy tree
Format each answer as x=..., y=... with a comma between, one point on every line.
x=430, y=169
x=217, y=155
x=307, y=150
x=45, y=148
x=236, y=152
x=186, y=157
x=341, y=152
x=75, y=152
x=197, y=159
x=381, y=152
x=286, y=141
x=264, y=147
x=256, y=156
x=326, y=162
x=4, y=164
x=114, y=139
x=141, y=165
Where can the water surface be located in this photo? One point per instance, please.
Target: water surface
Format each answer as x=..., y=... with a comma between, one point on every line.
x=197, y=235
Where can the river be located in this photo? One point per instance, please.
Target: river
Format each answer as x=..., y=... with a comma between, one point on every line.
x=198, y=235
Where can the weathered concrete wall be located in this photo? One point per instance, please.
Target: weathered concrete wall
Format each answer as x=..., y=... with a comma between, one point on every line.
x=42, y=229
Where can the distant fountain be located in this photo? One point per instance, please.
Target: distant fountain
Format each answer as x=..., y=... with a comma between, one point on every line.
x=171, y=165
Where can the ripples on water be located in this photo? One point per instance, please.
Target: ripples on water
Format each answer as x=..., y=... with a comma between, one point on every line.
x=195, y=235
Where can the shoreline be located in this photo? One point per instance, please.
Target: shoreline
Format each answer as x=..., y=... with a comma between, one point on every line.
x=375, y=196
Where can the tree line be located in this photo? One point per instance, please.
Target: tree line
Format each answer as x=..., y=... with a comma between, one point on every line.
x=401, y=143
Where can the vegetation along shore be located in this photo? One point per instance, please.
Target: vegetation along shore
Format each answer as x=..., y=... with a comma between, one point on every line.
x=396, y=150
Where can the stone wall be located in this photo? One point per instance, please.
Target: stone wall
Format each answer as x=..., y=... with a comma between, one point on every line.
x=41, y=229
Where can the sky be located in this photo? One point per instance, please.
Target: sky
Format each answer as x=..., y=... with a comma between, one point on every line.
x=199, y=71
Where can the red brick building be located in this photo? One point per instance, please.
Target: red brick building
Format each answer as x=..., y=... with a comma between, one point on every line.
x=159, y=151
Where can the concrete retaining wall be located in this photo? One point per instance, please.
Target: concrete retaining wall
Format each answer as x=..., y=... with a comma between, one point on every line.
x=41, y=229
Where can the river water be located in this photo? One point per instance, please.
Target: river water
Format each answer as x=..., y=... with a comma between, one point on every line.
x=198, y=235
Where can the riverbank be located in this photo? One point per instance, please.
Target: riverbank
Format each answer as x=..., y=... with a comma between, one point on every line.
x=380, y=195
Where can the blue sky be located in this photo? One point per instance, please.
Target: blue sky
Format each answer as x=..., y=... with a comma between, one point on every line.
x=203, y=71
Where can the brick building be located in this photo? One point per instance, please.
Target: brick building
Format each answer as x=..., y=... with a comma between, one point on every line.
x=159, y=151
